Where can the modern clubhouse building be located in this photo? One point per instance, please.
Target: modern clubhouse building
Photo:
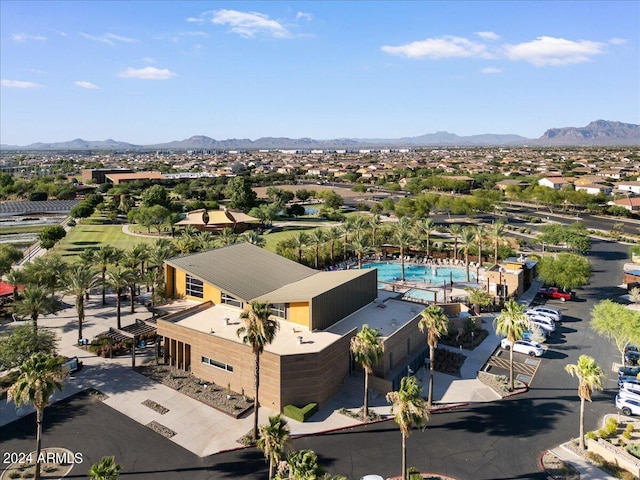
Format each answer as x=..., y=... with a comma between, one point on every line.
x=318, y=313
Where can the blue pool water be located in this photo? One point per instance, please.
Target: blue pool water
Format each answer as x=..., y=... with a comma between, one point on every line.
x=388, y=272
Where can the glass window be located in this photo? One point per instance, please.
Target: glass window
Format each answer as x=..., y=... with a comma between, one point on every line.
x=279, y=310
x=217, y=364
x=195, y=287
x=229, y=300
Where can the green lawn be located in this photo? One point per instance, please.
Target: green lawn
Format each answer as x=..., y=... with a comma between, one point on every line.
x=95, y=236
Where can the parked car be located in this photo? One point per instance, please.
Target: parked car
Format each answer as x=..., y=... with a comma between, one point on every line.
x=628, y=380
x=628, y=405
x=629, y=389
x=527, y=347
x=555, y=292
x=536, y=335
x=629, y=371
x=632, y=357
x=548, y=310
x=543, y=323
x=553, y=316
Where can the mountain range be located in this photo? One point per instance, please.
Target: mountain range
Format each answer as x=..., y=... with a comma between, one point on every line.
x=597, y=133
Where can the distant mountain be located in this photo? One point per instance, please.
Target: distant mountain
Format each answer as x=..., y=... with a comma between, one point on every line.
x=600, y=132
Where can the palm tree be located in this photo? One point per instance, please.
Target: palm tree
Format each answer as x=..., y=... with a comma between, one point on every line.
x=454, y=231
x=105, y=469
x=298, y=242
x=81, y=278
x=512, y=323
x=360, y=247
x=88, y=256
x=374, y=224
x=35, y=301
x=185, y=244
x=480, y=233
x=15, y=279
x=424, y=227
x=468, y=237
x=496, y=234
x=590, y=376
x=274, y=438
x=408, y=409
x=119, y=278
x=40, y=377
x=435, y=323
x=139, y=254
x=402, y=238
x=360, y=223
x=303, y=465
x=227, y=237
x=333, y=235
x=367, y=349
x=53, y=271
x=345, y=229
x=105, y=256
x=316, y=238
x=254, y=238
x=258, y=331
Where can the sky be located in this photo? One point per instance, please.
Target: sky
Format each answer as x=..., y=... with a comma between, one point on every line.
x=148, y=72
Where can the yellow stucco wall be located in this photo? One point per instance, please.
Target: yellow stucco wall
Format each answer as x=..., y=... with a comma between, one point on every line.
x=299, y=313
x=210, y=292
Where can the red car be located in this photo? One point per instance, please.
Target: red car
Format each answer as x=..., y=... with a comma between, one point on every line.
x=554, y=292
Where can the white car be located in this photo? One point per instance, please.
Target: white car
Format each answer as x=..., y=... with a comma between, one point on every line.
x=552, y=312
x=628, y=405
x=541, y=313
x=543, y=323
x=527, y=347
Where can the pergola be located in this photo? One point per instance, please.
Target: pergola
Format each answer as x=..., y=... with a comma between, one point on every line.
x=130, y=332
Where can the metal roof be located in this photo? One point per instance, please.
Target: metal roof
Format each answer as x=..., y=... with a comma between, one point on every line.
x=242, y=270
x=310, y=287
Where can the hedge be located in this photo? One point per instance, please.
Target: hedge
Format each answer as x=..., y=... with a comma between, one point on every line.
x=300, y=414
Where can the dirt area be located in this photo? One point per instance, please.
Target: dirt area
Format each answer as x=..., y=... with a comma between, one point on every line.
x=216, y=396
x=558, y=469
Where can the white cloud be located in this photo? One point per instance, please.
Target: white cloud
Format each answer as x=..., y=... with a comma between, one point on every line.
x=554, y=51
x=24, y=37
x=491, y=70
x=488, y=35
x=306, y=16
x=148, y=60
x=148, y=73
x=617, y=41
x=443, y=47
x=18, y=84
x=108, y=38
x=250, y=24
x=87, y=85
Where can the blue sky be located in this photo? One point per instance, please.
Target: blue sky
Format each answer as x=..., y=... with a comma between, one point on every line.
x=148, y=72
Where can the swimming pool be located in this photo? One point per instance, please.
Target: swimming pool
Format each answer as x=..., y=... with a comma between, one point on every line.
x=388, y=272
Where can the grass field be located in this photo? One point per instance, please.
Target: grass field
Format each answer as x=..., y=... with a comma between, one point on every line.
x=82, y=237
x=14, y=230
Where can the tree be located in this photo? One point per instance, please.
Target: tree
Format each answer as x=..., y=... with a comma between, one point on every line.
x=566, y=270
x=105, y=469
x=455, y=230
x=80, y=280
x=316, y=238
x=16, y=279
x=155, y=195
x=8, y=256
x=590, y=377
x=119, y=278
x=40, y=377
x=154, y=216
x=479, y=298
x=50, y=235
x=360, y=247
x=299, y=241
x=408, y=409
x=274, y=438
x=425, y=227
x=303, y=465
x=332, y=236
x=479, y=234
x=435, y=323
x=34, y=302
x=615, y=321
x=511, y=323
x=497, y=235
x=402, y=238
x=367, y=349
x=240, y=194
x=17, y=345
x=467, y=238
x=331, y=199
x=258, y=331
x=105, y=256
x=254, y=238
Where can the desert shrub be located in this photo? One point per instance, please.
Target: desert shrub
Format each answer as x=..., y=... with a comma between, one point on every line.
x=300, y=414
x=591, y=435
x=629, y=428
x=627, y=435
x=413, y=473
x=611, y=427
x=597, y=459
x=634, y=449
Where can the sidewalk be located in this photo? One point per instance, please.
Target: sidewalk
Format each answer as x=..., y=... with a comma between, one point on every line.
x=587, y=470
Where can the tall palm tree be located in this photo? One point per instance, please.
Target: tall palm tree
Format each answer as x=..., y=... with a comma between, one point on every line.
x=139, y=254
x=316, y=238
x=408, y=409
x=333, y=235
x=360, y=246
x=15, y=278
x=367, y=349
x=54, y=270
x=590, y=376
x=360, y=223
x=119, y=278
x=87, y=256
x=455, y=230
x=435, y=323
x=403, y=239
x=274, y=439
x=105, y=256
x=425, y=227
x=35, y=301
x=511, y=323
x=105, y=469
x=298, y=242
x=346, y=228
x=497, y=234
x=258, y=331
x=81, y=278
x=480, y=233
x=374, y=224
x=468, y=238
x=40, y=377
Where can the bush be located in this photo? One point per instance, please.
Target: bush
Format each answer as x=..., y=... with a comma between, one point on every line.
x=591, y=436
x=300, y=414
x=634, y=449
x=596, y=459
x=413, y=473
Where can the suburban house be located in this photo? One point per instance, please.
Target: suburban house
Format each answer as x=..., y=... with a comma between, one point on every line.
x=594, y=188
x=556, y=182
x=215, y=220
x=632, y=203
x=629, y=186
x=318, y=313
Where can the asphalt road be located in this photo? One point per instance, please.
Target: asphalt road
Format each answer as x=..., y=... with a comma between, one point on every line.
x=498, y=440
